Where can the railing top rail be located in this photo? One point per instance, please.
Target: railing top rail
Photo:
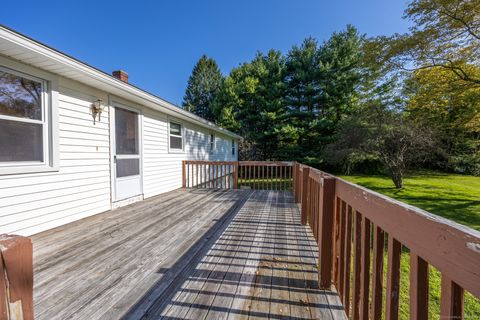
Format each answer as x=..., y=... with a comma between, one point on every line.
x=266, y=163
x=242, y=163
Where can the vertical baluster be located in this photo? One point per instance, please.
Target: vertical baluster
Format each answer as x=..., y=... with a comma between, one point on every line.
x=393, y=278
x=347, y=257
x=281, y=177
x=451, y=301
x=337, y=243
x=365, y=277
x=202, y=164
x=343, y=222
x=377, y=275
x=418, y=288
x=205, y=175
x=243, y=174
x=184, y=182
x=196, y=172
x=225, y=175
x=317, y=209
x=310, y=194
x=312, y=206
x=276, y=177
x=228, y=175
x=263, y=176
x=304, y=195
x=235, y=175
x=357, y=265
x=250, y=176
x=267, y=168
x=220, y=175
x=291, y=178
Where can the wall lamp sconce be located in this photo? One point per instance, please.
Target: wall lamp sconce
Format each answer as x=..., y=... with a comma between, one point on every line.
x=97, y=109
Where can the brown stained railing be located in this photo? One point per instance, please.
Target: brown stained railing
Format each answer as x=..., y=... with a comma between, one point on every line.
x=258, y=175
x=16, y=277
x=351, y=223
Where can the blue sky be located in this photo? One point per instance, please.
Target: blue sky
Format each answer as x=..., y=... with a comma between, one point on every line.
x=158, y=42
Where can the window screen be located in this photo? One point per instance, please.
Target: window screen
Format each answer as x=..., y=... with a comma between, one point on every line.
x=128, y=167
x=21, y=118
x=176, y=139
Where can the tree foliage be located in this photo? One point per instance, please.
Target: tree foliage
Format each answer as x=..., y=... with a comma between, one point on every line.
x=377, y=132
x=409, y=100
x=322, y=82
x=437, y=99
x=203, y=85
x=251, y=102
x=445, y=34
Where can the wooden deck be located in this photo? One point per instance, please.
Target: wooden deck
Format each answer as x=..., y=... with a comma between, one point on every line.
x=184, y=255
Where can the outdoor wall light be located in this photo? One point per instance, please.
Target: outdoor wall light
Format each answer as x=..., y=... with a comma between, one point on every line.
x=97, y=109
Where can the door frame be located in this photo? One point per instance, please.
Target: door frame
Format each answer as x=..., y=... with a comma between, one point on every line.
x=114, y=102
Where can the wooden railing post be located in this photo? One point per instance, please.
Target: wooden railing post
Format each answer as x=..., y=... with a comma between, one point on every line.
x=325, y=232
x=306, y=173
x=16, y=278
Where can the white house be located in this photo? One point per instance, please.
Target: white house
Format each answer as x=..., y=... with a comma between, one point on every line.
x=62, y=160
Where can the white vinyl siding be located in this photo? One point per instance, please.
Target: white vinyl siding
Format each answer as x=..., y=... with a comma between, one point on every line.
x=31, y=203
x=81, y=184
x=162, y=170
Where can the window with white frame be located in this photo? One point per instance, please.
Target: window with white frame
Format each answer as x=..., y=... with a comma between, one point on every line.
x=176, y=136
x=212, y=143
x=24, y=114
x=233, y=147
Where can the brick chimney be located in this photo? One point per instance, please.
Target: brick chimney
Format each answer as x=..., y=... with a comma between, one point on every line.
x=121, y=75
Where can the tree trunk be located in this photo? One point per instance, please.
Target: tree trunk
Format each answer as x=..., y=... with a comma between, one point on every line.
x=397, y=177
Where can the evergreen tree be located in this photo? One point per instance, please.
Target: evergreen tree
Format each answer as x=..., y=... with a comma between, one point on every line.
x=203, y=85
x=322, y=87
x=251, y=103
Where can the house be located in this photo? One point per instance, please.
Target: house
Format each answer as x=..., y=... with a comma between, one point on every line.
x=75, y=141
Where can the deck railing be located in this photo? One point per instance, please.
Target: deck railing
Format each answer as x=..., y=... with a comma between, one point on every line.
x=266, y=175
x=351, y=224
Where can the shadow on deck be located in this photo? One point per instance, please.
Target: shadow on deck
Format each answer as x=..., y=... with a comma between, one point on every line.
x=184, y=255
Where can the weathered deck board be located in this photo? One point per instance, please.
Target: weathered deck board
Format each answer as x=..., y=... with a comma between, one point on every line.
x=184, y=255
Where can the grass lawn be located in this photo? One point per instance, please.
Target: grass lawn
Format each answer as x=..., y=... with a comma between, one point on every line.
x=456, y=197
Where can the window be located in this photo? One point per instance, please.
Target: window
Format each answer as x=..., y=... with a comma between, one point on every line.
x=176, y=137
x=24, y=130
x=212, y=143
x=233, y=147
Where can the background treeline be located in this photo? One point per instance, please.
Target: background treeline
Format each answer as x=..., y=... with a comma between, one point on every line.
x=358, y=104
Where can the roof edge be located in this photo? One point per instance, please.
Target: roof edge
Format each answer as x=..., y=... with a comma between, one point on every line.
x=99, y=75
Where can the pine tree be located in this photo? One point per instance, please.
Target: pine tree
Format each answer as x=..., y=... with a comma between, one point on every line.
x=203, y=85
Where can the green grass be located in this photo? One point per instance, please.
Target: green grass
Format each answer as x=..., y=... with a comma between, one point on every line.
x=456, y=197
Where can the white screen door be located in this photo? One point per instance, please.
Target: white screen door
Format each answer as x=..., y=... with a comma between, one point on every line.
x=128, y=182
